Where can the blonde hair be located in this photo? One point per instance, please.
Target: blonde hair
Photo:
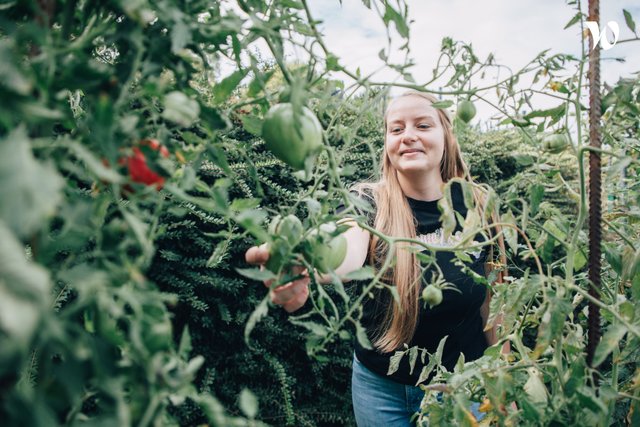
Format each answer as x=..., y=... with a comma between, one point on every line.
x=394, y=217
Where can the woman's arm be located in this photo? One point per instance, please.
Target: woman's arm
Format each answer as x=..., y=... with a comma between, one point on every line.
x=357, y=247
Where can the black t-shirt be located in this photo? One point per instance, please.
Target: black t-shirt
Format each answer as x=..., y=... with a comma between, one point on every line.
x=457, y=316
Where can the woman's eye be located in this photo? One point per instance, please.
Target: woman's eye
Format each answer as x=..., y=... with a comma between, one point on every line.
x=423, y=126
x=395, y=130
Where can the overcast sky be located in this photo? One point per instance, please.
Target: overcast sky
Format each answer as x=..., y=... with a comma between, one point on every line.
x=513, y=30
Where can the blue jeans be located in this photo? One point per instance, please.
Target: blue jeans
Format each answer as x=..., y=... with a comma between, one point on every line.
x=381, y=402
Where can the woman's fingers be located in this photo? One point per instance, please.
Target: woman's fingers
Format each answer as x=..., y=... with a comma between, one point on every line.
x=291, y=296
x=298, y=301
x=257, y=254
x=283, y=294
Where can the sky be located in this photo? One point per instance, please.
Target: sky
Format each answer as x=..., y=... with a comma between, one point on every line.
x=515, y=31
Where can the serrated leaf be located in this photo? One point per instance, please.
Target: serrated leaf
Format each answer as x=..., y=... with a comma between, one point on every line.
x=364, y=273
x=394, y=362
x=413, y=357
x=391, y=14
x=223, y=89
x=610, y=340
x=313, y=327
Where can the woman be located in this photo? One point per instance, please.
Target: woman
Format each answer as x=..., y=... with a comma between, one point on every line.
x=420, y=156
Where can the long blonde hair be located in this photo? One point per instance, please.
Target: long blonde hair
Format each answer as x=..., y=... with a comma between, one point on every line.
x=394, y=217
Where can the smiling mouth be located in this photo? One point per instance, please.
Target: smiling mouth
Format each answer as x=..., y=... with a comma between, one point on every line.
x=411, y=152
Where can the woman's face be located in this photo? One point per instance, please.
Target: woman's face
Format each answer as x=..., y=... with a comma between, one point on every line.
x=414, y=139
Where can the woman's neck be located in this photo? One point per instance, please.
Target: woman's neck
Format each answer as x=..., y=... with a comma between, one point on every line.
x=423, y=187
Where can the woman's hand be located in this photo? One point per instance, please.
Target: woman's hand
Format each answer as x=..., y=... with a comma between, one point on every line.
x=291, y=296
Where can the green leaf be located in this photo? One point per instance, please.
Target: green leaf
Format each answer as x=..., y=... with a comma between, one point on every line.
x=361, y=335
x=629, y=20
x=248, y=403
x=29, y=190
x=292, y=4
x=523, y=159
x=433, y=361
x=574, y=20
x=185, y=347
x=252, y=124
x=554, y=113
x=180, y=109
x=510, y=234
x=140, y=230
x=610, y=340
x=24, y=297
x=394, y=362
x=313, y=327
x=536, y=194
x=224, y=88
x=180, y=36
x=579, y=260
x=400, y=22
x=96, y=167
x=413, y=357
x=256, y=274
x=535, y=387
x=364, y=273
x=258, y=314
x=442, y=104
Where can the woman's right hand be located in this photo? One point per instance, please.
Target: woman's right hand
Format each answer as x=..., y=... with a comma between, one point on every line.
x=291, y=296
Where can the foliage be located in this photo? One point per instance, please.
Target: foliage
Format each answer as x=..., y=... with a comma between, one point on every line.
x=123, y=303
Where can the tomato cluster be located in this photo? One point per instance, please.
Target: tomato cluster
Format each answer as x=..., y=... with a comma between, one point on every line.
x=324, y=247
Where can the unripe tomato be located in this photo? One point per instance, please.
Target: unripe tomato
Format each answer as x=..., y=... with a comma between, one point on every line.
x=466, y=110
x=158, y=336
x=432, y=295
x=289, y=144
x=286, y=233
x=289, y=228
x=332, y=254
x=555, y=143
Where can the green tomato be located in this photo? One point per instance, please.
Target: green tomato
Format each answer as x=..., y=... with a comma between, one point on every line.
x=292, y=146
x=286, y=233
x=555, y=143
x=466, y=110
x=158, y=335
x=331, y=255
x=432, y=295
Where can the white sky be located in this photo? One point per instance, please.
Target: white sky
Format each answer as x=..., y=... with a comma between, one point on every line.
x=515, y=31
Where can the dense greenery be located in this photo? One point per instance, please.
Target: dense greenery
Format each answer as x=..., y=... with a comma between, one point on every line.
x=133, y=178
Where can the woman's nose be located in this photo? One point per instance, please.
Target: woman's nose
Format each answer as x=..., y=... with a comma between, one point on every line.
x=409, y=135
